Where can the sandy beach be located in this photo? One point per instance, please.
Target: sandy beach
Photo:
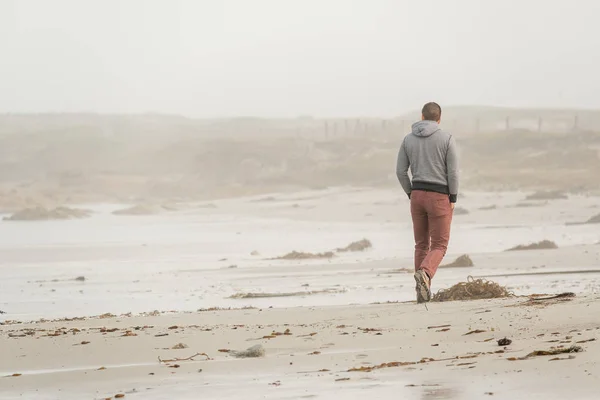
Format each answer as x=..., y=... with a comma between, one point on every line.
x=212, y=200
x=380, y=351
x=155, y=281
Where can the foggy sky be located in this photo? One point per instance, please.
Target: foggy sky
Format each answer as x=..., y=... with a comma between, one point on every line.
x=283, y=58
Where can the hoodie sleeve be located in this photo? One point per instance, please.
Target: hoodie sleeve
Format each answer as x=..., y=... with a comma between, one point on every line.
x=452, y=169
x=402, y=169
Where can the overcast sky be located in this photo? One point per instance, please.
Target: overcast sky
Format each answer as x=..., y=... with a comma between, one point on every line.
x=286, y=58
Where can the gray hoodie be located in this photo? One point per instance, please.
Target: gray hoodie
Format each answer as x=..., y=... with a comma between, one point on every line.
x=432, y=157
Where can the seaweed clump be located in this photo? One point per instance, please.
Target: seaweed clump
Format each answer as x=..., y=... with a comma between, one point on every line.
x=472, y=289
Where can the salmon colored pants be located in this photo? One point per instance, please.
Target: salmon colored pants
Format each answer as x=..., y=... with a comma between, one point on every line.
x=432, y=216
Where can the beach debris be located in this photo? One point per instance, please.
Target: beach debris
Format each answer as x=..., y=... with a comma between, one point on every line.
x=542, y=245
x=504, y=342
x=180, y=346
x=472, y=289
x=367, y=330
x=544, y=300
x=226, y=308
x=570, y=357
x=342, y=379
x=463, y=261
x=474, y=332
x=80, y=279
x=439, y=326
x=119, y=396
x=251, y=352
x=551, y=352
x=254, y=253
x=586, y=341
x=360, y=245
x=463, y=364
x=14, y=375
x=285, y=294
x=276, y=383
x=314, y=353
x=558, y=296
x=287, y=332
x=190, y=358
x=423, y=385
x=296, y=255
x=101, y=369
x=161, y=334
x=43, y=214
x=547, y=195
x=392, y=364
x=487, y=208
x=223, y=350
x=129, y=334
x=107, y=315
x=173, y=327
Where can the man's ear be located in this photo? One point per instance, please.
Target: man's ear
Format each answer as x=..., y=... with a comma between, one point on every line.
x=422, y=117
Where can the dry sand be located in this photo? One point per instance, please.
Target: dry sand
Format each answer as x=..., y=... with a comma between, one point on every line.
x=448, y=352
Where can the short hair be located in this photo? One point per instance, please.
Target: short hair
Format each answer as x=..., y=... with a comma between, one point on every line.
x=432, y=111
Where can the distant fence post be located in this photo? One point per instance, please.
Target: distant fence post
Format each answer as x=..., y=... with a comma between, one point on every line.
x=507, y=123
x=540, y=122
x=576, y=123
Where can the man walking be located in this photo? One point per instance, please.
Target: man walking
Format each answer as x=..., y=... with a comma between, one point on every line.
x=432, y=157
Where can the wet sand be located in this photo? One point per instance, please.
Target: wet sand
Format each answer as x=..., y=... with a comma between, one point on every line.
x=200, y=257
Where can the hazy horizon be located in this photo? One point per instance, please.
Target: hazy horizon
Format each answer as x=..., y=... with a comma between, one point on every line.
x=270, y=58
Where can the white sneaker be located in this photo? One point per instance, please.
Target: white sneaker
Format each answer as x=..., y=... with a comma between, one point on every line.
x=422, y=288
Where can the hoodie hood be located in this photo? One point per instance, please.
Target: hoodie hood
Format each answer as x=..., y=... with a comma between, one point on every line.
x=425, y=128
